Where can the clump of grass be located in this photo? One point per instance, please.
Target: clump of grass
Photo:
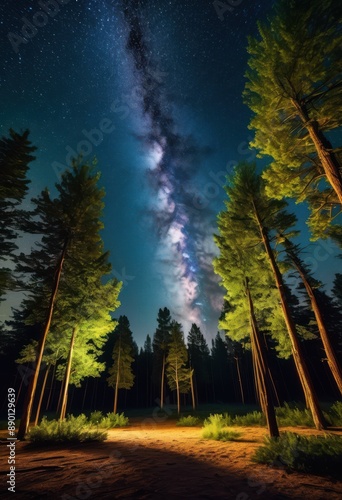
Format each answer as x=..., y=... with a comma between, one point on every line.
x=214, y=429
x=71, y=430
x=254, y=418
x=112, y=420
x=189, y=421
x=335, y=414
x=288, y=416
x=96, y=417
x=313, y=454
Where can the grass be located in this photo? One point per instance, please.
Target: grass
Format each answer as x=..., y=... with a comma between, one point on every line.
x=214, y=428
x=189, y=421
x=71, y=430
x=313, y=454
x=294, y=416
x=110, y=421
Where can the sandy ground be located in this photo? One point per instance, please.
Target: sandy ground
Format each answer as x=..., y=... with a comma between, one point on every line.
x=159, y=461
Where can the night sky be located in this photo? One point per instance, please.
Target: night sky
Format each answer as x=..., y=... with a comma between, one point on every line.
x=153, y=90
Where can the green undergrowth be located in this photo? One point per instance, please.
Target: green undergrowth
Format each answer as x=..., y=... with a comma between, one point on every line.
x=109, y=421
x=215, y=428
x=189, y=421
x=320, y=455
x=70, y=430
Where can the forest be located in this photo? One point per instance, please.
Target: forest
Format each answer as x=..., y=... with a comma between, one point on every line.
x=279, y=336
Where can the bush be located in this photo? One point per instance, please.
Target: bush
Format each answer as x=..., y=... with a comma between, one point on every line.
x=254, y=418
x=71, y=430
x=96, y=417
x=112, y=420
x=313, y=454
x=335, y=414
x=214, y=429
x=287, y=416
x=188, y=421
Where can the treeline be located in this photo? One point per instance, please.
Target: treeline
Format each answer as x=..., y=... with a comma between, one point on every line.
x=294, y=91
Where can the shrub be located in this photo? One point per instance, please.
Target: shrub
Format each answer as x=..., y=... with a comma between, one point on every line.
x=189, y=421
x=313, y=454
x=335, y=414
x=96, y=417
x=214, y=429
x=112, y=420
x=254, y=418
x=288, y=416
x=71, y=430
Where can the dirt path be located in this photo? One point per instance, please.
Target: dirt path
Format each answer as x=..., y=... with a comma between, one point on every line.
x=159, y=462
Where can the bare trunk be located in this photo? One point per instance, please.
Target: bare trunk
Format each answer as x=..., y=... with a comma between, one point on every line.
x=263, y=380
x=162, y=383
x=323, y=147
x=192, y=389
x=31, y=390
x=328, y=348
x=117, y=383
x=240, y=380
x=67, y=375
x=41, y=395
x=302, y=369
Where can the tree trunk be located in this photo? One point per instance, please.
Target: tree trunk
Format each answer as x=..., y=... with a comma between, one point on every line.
x=323, y=147
x=162, y=383
x=67, y=375
x=117, y=382
x=297, y=353
x=31, y=390
x=240, y=380
x=192, y=389
x=41, y=395
x=328, y=348
x=263, y=380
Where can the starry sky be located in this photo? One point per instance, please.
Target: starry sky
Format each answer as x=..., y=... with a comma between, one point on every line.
x=153, y=90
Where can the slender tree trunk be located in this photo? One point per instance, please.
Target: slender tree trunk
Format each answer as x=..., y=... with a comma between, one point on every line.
x=84, y=395
x=323, y=147
x=31, y=390
x=53, y=383
x=42, y=394
x=262, y=370
x=178, y=397
x=328, y=348
x=117, y=382
x=297, y=352
x=192, y=389
x=162, y=383
x=240, y=380
x=67, y=374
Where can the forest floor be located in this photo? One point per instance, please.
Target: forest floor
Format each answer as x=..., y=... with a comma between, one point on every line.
x=157, y=460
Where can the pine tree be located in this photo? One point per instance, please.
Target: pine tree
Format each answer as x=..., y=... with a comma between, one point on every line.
x=15, y=156
x=160, y=346
x=294, y=89
x=337, y=288
x=293, y=253
x=258, y=217
x=250, y=302
x=178, y=375
x=121, y=373
x=70, y=245
x=199, y=359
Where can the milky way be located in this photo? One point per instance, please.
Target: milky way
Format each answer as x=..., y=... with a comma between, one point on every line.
x=181, y=257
